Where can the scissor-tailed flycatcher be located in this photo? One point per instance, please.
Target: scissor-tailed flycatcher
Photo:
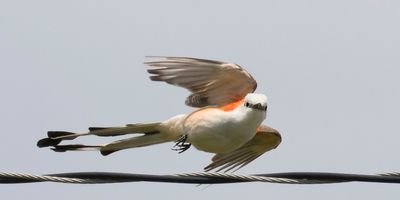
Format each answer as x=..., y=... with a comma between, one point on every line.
x=227, y=123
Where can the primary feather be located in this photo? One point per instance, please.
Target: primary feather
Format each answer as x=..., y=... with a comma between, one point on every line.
x=266, y=139
x=211, y=82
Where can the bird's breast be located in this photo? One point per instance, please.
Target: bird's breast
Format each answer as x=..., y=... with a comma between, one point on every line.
x=217, y=131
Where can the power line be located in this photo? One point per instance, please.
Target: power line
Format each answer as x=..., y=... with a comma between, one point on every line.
x=199, y=178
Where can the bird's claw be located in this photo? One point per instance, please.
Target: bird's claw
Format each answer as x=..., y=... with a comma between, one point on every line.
x=181, y=145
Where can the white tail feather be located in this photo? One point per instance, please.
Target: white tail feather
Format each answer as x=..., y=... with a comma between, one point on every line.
x=139, y=141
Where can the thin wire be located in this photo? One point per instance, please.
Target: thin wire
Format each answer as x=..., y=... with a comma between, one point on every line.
x=199, y=178
x=25, y=178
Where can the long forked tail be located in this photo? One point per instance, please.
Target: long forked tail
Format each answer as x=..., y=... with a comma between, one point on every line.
x=152, y=135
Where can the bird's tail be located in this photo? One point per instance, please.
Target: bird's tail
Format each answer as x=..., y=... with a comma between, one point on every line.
x=151, y=135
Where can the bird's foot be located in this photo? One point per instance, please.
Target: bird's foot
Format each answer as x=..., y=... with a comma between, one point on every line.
x=181, y=145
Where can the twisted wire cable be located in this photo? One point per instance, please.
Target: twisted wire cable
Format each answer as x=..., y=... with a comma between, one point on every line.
x=199, y=178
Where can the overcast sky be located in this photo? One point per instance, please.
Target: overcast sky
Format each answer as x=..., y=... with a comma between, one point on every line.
x=330, y=70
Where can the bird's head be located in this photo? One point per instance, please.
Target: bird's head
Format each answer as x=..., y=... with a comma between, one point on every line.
x=256, y=101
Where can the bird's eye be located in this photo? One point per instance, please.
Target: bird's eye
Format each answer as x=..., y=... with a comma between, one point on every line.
x=247, y=104
x=265, y=108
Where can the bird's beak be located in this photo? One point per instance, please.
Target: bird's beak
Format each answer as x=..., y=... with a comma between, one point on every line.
x=258, y=107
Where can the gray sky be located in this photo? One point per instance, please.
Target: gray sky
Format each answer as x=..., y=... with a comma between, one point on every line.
x=330, y=70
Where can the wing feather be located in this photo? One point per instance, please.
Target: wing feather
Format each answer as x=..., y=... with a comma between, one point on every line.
x=211, y=82
x=265, y=140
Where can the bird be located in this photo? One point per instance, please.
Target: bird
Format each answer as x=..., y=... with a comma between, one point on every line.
x=227, y=120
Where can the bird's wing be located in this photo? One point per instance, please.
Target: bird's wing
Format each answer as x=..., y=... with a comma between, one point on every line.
x=211, y=82
x=266, y=139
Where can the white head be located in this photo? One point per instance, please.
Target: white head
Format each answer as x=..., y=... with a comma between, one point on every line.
x=256, y=101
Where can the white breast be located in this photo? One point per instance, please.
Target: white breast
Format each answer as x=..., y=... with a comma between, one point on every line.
x=216, y=131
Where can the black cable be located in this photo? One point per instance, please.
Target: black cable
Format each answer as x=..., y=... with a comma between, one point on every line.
x=337, y=177
x=199, y=178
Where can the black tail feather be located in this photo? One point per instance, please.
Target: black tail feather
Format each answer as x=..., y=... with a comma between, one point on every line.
x=74, y=147
x=55, y=138
x=46, y=142
x=64, y=135
x=107, y=152
x=97, y=128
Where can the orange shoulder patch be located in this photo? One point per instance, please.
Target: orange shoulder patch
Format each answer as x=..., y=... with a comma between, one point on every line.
x=231, y=106
x=258, y=130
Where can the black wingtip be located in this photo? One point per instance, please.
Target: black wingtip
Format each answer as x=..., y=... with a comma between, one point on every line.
x=46, y=142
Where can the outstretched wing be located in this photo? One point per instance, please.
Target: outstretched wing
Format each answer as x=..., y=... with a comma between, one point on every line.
x=211, y=82
x=266, y=139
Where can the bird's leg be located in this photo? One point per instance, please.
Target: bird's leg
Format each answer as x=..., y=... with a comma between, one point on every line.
x=181, y=145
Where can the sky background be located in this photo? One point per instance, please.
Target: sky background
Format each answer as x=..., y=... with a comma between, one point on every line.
x=330, y=69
